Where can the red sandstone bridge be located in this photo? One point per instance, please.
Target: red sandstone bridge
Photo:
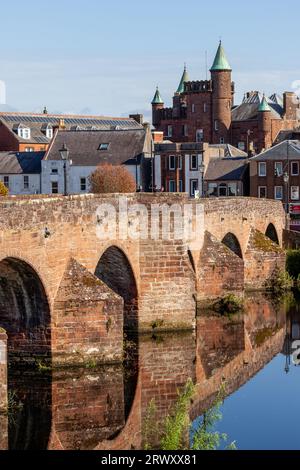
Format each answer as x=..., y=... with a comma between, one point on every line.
x=65, y=293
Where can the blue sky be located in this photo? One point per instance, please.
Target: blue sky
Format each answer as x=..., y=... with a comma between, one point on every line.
x=106, y=57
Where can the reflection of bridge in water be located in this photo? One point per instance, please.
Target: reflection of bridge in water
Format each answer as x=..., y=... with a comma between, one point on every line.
x=105, y=408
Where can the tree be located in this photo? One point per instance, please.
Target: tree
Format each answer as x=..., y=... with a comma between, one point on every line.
x=3, y=189
x=112, y=179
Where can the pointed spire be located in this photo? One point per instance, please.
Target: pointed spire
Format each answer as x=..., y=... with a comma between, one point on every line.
x=264, y=106
x=220, y=62
x=184, y=78
x=157, y=97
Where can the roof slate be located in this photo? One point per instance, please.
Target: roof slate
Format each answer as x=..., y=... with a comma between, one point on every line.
x=124, y=146
x=20, y=162
x=39, y=122
x=226, y=169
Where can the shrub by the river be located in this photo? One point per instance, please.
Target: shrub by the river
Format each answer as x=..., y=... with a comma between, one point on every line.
x=279, y=282
x=229, y=305
x=293, y=263
x=176, y=431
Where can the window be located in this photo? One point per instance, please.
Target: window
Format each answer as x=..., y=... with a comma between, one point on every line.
x=172, y=188
x=26, y=182
x=262, y=192
x=278, y=169
x=54, y=171
x=194, y=162
x=262, y=169
x=278, y=193
x=193, y=187
x=295, y=193
x=54, y=187
x=170, y=131
x=199, y=135
x=180, y=186
x=103, y=146
x=6, y=181
x=179, y=162
x=223, y=190
x=29, y=149
x=222, y=140
x=172, y=162
x=295, y=168
x=185, y=130
x=216, y=125
x=49, y=133
x=82, y=184
x=24, y=132
x=205, y=108
x=241, y=145
x=193, y=108
x=232, y=189
x=212, y=189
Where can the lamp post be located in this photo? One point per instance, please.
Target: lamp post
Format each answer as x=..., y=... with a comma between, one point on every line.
x=64, y=153
x=286, y=182
x=202, y=171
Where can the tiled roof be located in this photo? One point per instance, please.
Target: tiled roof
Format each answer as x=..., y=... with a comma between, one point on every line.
x=226, y=169
x=84, y=146
x=37, y=123
x=287, y=149
x=229, y=150
x=20, y=162
x=249, y=108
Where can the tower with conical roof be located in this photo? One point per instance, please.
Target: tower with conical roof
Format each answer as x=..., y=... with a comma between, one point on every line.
x=157, y=105
x=265, y=124
x=222, y=97
x=185, y=78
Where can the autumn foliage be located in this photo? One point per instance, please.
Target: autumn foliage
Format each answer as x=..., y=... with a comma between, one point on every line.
x=112, y=179
x=3, y=189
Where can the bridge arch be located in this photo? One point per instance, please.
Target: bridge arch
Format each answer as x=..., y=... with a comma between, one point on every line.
x=231, y=241
x=115, y=269
x=24, y=310
x=271, y=233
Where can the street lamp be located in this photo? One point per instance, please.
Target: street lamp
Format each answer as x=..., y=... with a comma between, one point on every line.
x=286, y=182
x=64, y=154
x=202, y=169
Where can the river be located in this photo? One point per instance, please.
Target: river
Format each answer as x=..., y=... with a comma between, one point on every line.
x=107, y=407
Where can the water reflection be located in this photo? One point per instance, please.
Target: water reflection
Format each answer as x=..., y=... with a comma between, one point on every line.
x=106, y=408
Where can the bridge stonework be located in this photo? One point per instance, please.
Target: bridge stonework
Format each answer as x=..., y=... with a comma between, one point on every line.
x=51, y=256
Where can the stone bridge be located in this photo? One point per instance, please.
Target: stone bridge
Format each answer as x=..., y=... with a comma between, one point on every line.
x=75, y=270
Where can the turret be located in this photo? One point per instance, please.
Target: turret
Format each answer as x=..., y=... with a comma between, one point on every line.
x=222, y=97
x=265, y=124
x=157, y=105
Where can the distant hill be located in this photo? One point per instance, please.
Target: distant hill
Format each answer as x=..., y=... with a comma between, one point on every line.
x=7, y=108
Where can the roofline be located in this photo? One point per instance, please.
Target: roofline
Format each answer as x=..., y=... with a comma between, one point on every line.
x=62, y=116
x=51, y=144
x=287, y=141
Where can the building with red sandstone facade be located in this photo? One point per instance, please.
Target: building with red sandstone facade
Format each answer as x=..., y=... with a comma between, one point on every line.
x=204, y=111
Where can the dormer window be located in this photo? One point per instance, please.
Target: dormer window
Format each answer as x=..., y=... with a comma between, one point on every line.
x=49, y=132
x=103, y=146
x=24, y=133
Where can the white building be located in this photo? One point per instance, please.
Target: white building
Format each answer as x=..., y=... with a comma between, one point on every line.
x=86, y=150
x=21, y=172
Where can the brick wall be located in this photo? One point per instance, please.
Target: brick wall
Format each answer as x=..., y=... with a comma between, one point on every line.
x=220, y=270
x=87, y=320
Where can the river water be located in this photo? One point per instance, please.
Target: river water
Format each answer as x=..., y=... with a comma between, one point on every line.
x=107, y=407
